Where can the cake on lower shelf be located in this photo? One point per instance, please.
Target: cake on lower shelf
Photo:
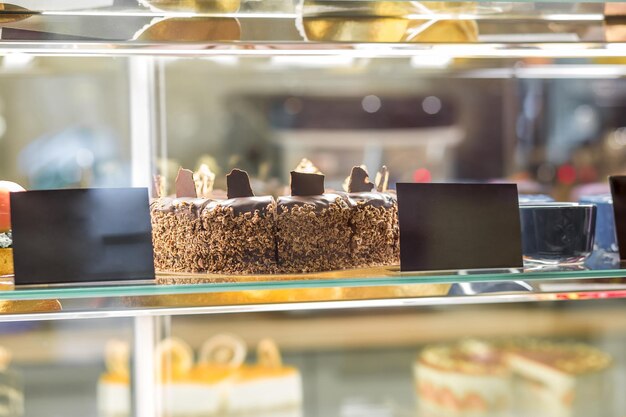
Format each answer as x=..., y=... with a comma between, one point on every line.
x=188, y=390
x=512, y=378
x=470, y=379
x=560, y=380
x=266, y=387
x=218, y=385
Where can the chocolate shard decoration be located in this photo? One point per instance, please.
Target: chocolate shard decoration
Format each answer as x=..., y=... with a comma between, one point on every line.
x=382, y=180
x=359, y=181
x=306, y=184
x=185, y=185
x=238, y=184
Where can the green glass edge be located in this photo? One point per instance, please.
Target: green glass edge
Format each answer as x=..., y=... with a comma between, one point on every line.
x=121, y=290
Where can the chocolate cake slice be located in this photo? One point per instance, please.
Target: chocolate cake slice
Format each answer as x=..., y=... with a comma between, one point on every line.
x=374, y=216
x=177, y=230
x=313, y=228
x=177, y=233
x=241, y=230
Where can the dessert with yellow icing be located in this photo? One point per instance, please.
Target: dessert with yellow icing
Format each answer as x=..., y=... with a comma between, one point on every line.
x=183, y=389
x=188, y=390
x=266, y=386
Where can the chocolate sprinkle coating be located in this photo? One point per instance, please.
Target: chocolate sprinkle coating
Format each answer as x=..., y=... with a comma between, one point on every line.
x=185, y=185
x=303, y=184
x=238, y=184
x=313, y=235
x=373, y=221
x=241, y=238
x=176, y=232
x=359, y=181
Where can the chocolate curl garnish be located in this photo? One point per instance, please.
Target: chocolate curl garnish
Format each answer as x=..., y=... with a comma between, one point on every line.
x=359, y=181
x=185, y=186
x=158, y=186
x=238, y=184
x=204, y=179
x=382, y=180
x=306, y=184
x=305, y=166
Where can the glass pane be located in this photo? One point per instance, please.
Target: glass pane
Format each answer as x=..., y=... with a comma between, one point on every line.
x=53, y=368
x=64, y=123
x=519, y=360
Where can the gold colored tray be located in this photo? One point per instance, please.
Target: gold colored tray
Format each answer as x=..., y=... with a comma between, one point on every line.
x=319, y=292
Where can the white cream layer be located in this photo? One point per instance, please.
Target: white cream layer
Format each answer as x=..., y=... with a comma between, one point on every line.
x=258, y=394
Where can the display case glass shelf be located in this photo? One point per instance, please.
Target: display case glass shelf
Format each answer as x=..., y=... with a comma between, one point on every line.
x=380, y=287
x=276, y=27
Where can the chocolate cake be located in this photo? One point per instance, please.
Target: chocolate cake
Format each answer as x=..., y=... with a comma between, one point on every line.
x=240, y=230
x=313, y=228
x=374, y=215
x=308, y=231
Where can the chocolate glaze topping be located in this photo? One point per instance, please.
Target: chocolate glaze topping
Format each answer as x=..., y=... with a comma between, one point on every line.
x=238, y=184
x=373, y=198
x=243, y=205
x=185, y=185
x=359, y=181
x=319, y=202
x=306, y=184
x=192, y=206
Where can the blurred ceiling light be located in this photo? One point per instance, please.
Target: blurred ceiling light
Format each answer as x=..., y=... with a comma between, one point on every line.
x=371, y=103
x=431, y=105
x=225, y=60
x=617, y=140
x=16, y=61
x=431, y=61
x=312, y=61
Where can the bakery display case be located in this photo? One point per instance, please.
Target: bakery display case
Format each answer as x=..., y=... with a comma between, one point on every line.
x=278, y=292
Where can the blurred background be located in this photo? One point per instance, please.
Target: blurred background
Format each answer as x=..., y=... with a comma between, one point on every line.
x=66, y=122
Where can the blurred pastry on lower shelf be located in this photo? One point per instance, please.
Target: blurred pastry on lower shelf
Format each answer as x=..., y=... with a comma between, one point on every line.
x=267, y=386
x=467, y=378
x=560, y=379
x=526, y=377
x=186, y=389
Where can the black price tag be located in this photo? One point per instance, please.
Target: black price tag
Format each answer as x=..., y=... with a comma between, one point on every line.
x=82, y=235
x=459, y=226
x=618, y=193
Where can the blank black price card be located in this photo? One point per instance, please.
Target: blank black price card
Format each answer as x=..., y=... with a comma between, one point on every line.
x=459, y=226
x=81, y=235
x=618, y=194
